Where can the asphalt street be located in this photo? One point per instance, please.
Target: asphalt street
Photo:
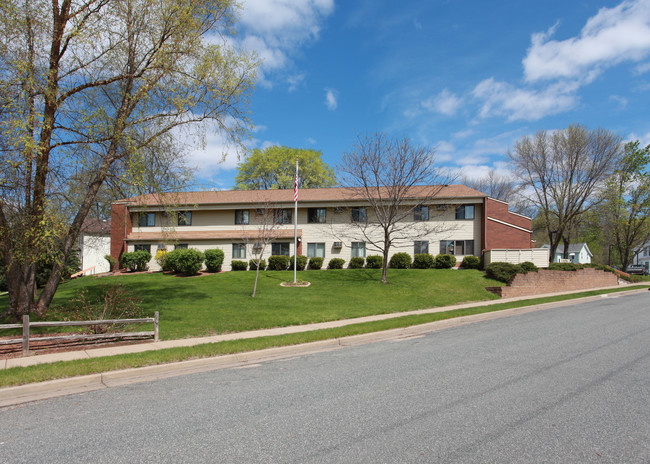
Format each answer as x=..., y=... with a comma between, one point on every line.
x=564, y=385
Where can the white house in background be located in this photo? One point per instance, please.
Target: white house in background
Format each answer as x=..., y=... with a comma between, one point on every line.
x=642, y=256
x=94, y=244
x=579, y=253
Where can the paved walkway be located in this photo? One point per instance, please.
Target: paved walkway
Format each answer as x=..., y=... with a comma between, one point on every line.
x=185, y=342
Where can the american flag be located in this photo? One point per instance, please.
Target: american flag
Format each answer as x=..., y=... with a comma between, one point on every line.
x=295, y=189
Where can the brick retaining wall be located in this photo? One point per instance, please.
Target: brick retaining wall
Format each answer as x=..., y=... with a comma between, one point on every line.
x=545, y=281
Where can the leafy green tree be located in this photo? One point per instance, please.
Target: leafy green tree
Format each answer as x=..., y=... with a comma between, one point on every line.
x=275, y=168
x=95, y=90
x=627, y=203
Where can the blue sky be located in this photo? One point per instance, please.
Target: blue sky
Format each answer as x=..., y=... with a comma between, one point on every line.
x=467, y=77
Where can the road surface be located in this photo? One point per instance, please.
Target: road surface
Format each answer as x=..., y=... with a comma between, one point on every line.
x=565, y=385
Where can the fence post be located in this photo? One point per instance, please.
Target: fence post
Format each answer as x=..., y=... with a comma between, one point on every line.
x=155, y=326
x=26, y=335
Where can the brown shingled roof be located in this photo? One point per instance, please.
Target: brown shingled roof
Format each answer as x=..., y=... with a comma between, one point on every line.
x=286, y=196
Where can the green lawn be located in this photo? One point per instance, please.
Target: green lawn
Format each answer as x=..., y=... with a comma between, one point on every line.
x=221, y=303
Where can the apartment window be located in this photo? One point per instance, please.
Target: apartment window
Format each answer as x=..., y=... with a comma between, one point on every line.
x=358, y=249
x=181, y=246
x=184, y=218
x=359, y=214
x=316, y=215
x=142, y=247
x=238, y=251
x=420, y=247
x=241, y=216
x=283, y=216
x=281, y=248
x=465, y=212
x=421, y=213
x=147, y=219
x=315, y=250
x=457, y=247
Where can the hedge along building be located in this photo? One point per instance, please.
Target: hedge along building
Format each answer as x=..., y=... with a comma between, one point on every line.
x=330, y=223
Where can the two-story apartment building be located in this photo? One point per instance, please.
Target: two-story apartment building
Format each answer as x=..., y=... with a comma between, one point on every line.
x=332, y=223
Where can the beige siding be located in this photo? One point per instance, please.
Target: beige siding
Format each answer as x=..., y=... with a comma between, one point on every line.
x=338, y=227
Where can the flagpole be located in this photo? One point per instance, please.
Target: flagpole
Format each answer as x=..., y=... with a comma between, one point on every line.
x=295, y=225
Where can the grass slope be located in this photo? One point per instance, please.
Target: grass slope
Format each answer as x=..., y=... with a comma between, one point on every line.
x=221, y=303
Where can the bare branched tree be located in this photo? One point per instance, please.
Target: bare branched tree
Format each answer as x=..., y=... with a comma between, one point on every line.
x=395, y=178
x=262, y=232
x=565, y=171
x=501, y=187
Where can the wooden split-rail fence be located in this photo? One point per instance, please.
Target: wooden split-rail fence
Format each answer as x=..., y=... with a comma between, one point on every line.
x=26, y=325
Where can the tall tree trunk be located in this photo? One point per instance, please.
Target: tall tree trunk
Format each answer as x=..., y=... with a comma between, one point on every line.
x=21, y=283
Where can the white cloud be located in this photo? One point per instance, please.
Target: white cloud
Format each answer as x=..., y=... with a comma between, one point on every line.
x=644, y=140
x=463, y=134
x=613, y=35
x=444, y=151
x=445, y=102
x=503, y=99
x=331, y=99
x=277, y=29
x=622, y=101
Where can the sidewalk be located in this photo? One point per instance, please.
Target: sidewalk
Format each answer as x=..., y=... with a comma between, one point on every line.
x=185, y=342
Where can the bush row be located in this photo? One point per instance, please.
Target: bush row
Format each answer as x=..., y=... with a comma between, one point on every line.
x=189, y=261
x=397, y=261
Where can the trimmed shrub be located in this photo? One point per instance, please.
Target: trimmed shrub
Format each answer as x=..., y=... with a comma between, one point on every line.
x=213, y=259
x=336, y=263
x=471, y=262
x=374, y=262
x=400, y=261
x=301, y=263
x=136, y=260
x=444, y=261
x=528, y=266
x=239, y=265
x=503, y=272
x=171, y=261
x=356, y=263
x=564, y=267
x=422, y=261
x=112, y=262
x=190, y=261
x=160, y=257
x=252, y=265
x=278, y=263
x=316, y=262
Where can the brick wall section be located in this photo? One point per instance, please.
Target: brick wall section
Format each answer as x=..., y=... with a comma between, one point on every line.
x=120, y=227
x=497, y=235
x=545, y=281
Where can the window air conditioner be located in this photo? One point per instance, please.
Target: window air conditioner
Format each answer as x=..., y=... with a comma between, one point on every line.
x=441, y=207
x=338, y=209
x=338, y=244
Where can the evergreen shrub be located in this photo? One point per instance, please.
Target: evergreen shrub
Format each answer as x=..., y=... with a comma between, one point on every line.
x=444, y=261
x=213, y=259
x=400, y=261
x=356, y=262
x=422, y=261
x=336, y=263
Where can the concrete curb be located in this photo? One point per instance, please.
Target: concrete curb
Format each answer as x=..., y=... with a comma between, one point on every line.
x=33, y=392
